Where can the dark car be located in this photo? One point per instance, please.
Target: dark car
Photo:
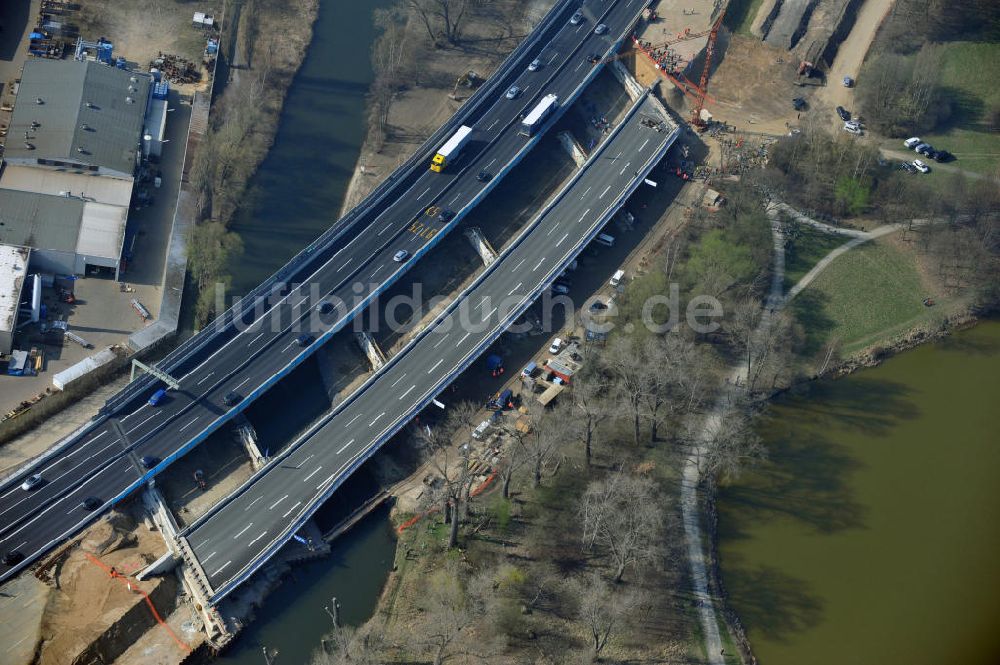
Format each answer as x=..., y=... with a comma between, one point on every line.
x=446, y=215
x=943, y=156
x=304, y=340
x=12, y=558
x=91, y=503
x=149, y=461
x=232, y=399
x=594, y=58
x=799, y=103
x=844, y=114
x=324, y=307
x=597, y=306
x=926, y=149
x=908, y=167
x=484, y=176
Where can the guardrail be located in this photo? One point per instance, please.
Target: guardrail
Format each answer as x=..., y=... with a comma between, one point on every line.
x=390, y=431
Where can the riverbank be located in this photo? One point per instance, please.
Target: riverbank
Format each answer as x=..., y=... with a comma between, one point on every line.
x=262, y=52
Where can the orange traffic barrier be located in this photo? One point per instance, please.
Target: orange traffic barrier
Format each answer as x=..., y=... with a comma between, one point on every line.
x=416, y=518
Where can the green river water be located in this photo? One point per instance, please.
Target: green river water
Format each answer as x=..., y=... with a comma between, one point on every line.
x=871, y=535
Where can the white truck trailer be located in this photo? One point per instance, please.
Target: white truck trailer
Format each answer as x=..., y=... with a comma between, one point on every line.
x=450, y=151
x=538, y=115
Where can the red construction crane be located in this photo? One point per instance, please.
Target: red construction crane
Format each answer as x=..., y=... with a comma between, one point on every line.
x=703, y=82
x=681, y=37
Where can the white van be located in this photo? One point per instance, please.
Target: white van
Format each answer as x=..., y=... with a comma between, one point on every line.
x=605, y=239
x=616, y=279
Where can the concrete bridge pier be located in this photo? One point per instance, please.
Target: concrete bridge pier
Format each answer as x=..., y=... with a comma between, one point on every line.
x=248, y=437
x=371, y=348
x=482, y=245
x=624, y=76
x=573, y=147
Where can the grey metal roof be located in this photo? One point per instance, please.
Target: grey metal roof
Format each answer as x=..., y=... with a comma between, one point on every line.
x=84, y=115
x=41, y=221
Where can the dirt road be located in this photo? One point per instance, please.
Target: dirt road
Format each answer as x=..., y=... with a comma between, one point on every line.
x=850, y=55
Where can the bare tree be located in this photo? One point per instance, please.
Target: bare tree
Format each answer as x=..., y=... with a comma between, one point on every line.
x=450, y=14
x=604, y=610
x=624, y=363
x=623, y=514
x=731, y=445
x=452, y=609
x=590, y=404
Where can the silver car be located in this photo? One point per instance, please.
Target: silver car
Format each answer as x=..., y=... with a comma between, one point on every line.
x=576, y=18
x=400, y=256
x=535, y=64
x=513, y=92
x=600, y=29
x=31, y=482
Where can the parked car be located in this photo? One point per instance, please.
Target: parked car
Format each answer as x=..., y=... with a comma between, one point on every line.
x=852, y=128
x=576, y=18
x=535, y=64
x=556, y=345
x=232, y=399
x=921, y=147
x=906, y=166
x=925, y=149
x=400, y=256
x=843, y=113
x=943, y=156
x=513, y=92
x=848, y=82
x=31, y=482
x=600, y=29
x=920, y=166
x=560, y=289
x=912, y=142
x=799, y=103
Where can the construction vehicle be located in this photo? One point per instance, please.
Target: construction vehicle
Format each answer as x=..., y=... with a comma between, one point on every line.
x=199, y=478
x=809, y=65
x=451, y=150
x=698, y=115
x=538, y=115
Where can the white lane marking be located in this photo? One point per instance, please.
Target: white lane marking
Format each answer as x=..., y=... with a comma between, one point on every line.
x=491, y=162
x=352, y=421
x=487, y=317
x=221, y=569
x=305, y=460
x=344, y=447
x=493, y=124
x=397, y=380
x=193, y=421
x=577, y=68
x=624, y=167
x=615, y=158
x=643, y=145
x=585, y=193
x=271, y=507
x=539, y=264
x=250, y=505
x=142, y=423
x=328, y=479
x=288, y=345
x=296, y=305
x=345, y=264
x=483, y=302
x=551, y=229
x=585, y=213
x=203, y=543
x=375, y=271
x=440, y=360
x=291, y=509
x=384, y=229
x=376, y=419
x=207, y=377
x=424, y=193
x=407, y=392
x=554, y=56
x=243, y=383
x=250, y=544
x=205, y=560
x=465, y=337
x=455, y=199
x=518, y=265
x=511, y=292
x=565, y=235
x=15, y=644
x=315, y=471
x=243, y=531
x=441, y=341
x=78, y=449
x=256, y=338
x=604, y=192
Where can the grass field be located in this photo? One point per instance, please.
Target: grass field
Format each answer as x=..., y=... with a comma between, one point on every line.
x=806, y=251
x=866, y=296
x=971, y=75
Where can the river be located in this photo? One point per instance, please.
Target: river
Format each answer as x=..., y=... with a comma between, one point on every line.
x=295, y=195
x=871, y=536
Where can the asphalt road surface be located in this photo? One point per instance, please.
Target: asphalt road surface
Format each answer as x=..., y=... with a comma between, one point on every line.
x=106, y=463
x=231, y=541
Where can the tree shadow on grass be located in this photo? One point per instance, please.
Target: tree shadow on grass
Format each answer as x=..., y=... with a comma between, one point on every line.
x=966, y=111
x=809, y=308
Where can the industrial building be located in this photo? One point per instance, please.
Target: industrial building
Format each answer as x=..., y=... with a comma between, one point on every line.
x=77, y=137
x=13, y=270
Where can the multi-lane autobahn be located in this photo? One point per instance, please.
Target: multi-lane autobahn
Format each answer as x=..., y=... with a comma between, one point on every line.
x=105, y=462
x=244, y=530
